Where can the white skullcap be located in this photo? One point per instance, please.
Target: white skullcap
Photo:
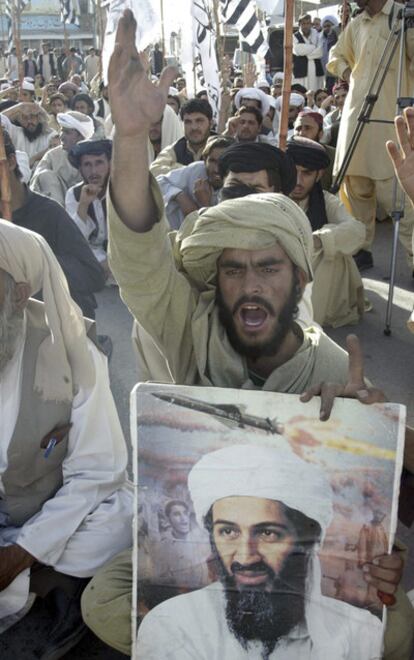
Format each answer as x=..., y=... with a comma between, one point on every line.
x=253, y=93
x=29, y=79
x=256, y=471
x=262, y=83
x=28, y=86
x=78, y=121
x=294, y=99
x=173, y=91
x=279, y=75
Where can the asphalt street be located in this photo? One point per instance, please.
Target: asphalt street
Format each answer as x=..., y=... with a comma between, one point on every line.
x=389, y=364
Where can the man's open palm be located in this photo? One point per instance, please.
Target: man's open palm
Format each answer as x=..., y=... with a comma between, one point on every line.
x=135, y=102
x=403, y=159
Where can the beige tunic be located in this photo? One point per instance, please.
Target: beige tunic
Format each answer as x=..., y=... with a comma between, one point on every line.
x=184, y=325
x=337, y=292
x=54, y=175
x=359, y=48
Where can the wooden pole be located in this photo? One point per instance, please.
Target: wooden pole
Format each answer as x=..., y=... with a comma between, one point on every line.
x=287, y=73
x=345, y=14
x=219, y=37
x=16, y=37
x=162, y=31
x=5, y=190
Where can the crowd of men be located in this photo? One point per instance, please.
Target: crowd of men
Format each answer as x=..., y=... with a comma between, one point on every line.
x=231, y=255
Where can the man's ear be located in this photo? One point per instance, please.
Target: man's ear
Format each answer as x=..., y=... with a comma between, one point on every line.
x=21, y=295
x=320, y=175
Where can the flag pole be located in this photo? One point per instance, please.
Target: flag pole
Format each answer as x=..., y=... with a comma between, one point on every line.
x=5, y=191
x=219, y=37
x=16, y=37
x=287, y=73
x=162, y=30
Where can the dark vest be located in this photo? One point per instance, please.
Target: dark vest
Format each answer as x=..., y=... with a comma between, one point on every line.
x=51, y=62
x=182, y=153
x=300, y=63
x=91, y=211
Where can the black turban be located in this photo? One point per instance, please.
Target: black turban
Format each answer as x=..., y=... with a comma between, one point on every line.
x=90, y=148
x=308, y=153
x=256, y=156
x=312, y=156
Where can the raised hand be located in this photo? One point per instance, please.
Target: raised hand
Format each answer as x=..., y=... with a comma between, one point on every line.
x=355, y=387
x=249, y=74
x=135, y=102
x=403, y=159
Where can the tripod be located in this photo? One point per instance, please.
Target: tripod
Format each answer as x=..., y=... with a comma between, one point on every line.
x=402, y=21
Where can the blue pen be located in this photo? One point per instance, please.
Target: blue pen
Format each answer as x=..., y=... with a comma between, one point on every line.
x=52, y=443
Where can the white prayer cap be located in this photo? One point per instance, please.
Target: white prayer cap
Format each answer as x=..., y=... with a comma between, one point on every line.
x=78, y=121
x=28, y=86
x=262, y=83
x=331, y=18
x=295, y=99
x=5, y=86
x=257, y=471
x=29, y=79
x=173, y=91
x=255, y=94
x=279, y=75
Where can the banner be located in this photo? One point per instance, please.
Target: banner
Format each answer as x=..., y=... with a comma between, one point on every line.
x=205, y=50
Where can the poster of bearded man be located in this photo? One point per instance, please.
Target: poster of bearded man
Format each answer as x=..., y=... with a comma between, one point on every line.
x=251, y=516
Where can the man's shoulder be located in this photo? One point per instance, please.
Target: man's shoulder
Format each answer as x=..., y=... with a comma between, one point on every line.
x=331, y=360
x=357, y=619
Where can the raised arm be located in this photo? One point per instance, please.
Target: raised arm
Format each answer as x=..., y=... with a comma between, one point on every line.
x=403, y=157
x=135, y=104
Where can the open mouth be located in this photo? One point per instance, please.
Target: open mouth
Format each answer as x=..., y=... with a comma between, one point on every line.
x=252, y=317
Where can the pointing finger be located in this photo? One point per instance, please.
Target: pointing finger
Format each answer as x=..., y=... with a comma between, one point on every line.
x=356, y=361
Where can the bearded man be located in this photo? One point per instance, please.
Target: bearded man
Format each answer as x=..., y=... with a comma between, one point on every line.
x=264, y=535
x=54, y=175
x=65, y=505
x=337, y=291
x=29, y=130
x=225, y=316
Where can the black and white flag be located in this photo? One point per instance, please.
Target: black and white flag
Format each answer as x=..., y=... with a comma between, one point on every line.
x=242, y=14
x=9, y=19
x=205, y=51
x=69, y=11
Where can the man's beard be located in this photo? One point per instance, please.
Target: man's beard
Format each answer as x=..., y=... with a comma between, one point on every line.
x=256, y=614
x=11, y=325
x=285, y=323
x=33, y=135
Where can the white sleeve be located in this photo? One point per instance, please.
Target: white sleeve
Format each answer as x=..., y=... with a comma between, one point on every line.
x=93, y=469
x=301, y=49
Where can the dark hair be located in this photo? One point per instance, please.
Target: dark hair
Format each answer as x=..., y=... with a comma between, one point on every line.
x=86, y=98
x=253, y=111
x=10, y=150
x=218, y=142
x=172, y=503
x=197, y=105
x=318, y=91
x=201, y=93
x=304, y=17
x=297, y=87
x=58, y=96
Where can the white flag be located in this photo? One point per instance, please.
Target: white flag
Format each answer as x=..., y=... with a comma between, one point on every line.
x=205, y=46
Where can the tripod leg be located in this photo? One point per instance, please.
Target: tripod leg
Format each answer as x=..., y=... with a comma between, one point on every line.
x=397, y=214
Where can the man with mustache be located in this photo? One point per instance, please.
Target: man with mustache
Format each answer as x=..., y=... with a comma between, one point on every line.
x=197, y=119
x=29, y=130
x=217, y=298
x=264, y=535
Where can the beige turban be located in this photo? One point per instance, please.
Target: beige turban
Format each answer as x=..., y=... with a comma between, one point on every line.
x=255, y=222
x=77, y=121
x=64, y=363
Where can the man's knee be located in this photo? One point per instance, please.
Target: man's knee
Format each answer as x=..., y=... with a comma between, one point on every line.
x=399, y=631
x=107, y=600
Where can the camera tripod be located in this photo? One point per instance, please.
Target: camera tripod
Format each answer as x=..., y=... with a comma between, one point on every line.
x=398, y=26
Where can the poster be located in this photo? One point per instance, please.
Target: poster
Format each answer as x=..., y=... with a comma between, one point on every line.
x=255, y=522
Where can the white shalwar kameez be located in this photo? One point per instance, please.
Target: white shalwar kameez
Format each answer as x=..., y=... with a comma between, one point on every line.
x=89, y=519
x=313, y=50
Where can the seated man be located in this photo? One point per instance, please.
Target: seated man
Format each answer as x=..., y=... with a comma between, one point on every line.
x=86, y=202
x=309, y=125
x=46, y=217
x=66, y=508
x=54, y=175
x=337, y=292
x=197, y=185
x=197, y=119
x=246, y=126
x=227, y=317
x=29, y=130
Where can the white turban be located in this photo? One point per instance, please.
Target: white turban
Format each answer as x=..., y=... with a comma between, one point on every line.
x=256, y=95
x=77, y=121
x=295, y=99
x=173, y=91
x=63, y=362
x=279, y=75
x=262, y=83
x=331, y=18
x=28, y=86
x=271, y=473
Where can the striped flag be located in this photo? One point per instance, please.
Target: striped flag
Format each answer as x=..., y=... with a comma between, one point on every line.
x=242, y=14
x=205, y=49
x=9, y=20
x=69, y=11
